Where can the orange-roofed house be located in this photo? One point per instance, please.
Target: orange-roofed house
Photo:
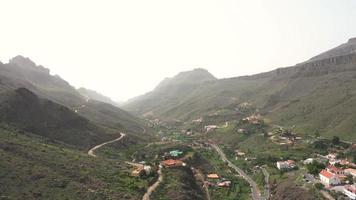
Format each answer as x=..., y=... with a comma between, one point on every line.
x=213, y=176
x=172, y=163
x=335, y=170
x=328, y=178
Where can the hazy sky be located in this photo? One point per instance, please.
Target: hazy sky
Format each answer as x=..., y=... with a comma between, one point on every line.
x=125, y=48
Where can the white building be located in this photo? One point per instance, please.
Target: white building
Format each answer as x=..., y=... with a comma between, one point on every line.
x=148, y=169
x=328, y=178
x=308, y=161
x=288, y=164
x=350, y=191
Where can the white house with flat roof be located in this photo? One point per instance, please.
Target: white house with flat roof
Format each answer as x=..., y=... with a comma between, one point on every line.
x=350, y=191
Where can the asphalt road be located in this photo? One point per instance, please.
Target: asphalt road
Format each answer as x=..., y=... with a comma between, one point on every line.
x=255, y=192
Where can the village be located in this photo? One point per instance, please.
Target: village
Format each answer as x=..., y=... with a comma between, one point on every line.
x=175, y=159
x=331, y=173
x=336, y=175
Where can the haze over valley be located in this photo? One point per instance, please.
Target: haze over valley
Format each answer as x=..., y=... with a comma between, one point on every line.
x=158, y=100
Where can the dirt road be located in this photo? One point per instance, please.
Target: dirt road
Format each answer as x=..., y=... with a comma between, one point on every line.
x=153, y=187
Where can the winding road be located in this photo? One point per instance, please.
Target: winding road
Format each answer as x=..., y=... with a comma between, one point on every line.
x=153, y=187
x=256, y=194
x=91, y=151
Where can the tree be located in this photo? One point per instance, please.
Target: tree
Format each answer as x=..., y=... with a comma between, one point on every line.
x=335, y=140
x=350, y=179
x=315, y=167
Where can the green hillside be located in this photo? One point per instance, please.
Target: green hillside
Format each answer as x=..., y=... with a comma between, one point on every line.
x=33, y=167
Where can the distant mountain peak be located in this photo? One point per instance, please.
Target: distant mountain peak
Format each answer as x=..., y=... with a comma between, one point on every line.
x=27, y=64
x=195, y=76
x=22, y=61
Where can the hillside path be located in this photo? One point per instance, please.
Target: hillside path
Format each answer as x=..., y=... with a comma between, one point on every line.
x=91, y=151
x=256, y=195
x=153, y=187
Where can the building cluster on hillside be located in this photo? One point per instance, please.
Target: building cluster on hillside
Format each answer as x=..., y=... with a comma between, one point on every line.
x=169, y=160
x=286, y=164
x=172, y=159
x=333, y=176
x=333, y=160
x=216, y=180
x=253, y=119
x=283, y=137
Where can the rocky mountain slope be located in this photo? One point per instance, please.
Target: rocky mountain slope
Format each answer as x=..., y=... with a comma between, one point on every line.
x=23, y=109
x=316, y=95
x=46, y=129
x=21, y=72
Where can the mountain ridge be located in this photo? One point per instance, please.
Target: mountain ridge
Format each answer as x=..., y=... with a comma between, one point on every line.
x=311, y=94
